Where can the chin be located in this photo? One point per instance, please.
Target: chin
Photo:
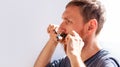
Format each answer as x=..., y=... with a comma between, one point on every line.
x=65, y=48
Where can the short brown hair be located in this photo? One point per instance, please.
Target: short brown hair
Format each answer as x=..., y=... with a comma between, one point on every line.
x=90, y=10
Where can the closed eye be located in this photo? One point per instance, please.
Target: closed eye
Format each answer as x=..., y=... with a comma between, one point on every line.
x=67, y=21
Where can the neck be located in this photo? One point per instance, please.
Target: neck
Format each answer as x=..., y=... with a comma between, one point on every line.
x=90, y=49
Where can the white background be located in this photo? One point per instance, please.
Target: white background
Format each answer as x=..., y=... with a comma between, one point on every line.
x=23, y=26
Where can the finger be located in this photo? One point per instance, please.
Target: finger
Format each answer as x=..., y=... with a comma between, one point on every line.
x=52, y=28
x=56, y=29
x=68, y=39
x=73, y=33
x=48, y=29
x=76, y=35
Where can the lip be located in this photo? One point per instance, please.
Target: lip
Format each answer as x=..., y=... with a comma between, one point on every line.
x=63, y=35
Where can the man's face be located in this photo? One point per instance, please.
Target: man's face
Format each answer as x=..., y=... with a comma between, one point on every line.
x=72, y=20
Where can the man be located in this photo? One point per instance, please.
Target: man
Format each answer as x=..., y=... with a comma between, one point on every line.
x=82, y=22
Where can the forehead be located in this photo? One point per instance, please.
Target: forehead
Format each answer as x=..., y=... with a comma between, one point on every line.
x=72, y=12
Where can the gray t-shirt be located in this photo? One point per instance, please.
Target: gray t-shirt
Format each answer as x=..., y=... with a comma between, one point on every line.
x=101, y=59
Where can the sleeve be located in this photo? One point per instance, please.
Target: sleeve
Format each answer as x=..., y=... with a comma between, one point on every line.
x=64, y=62
x=55, y=63
x=109, y=62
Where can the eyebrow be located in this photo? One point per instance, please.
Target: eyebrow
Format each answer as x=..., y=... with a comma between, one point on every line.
x=65, y=18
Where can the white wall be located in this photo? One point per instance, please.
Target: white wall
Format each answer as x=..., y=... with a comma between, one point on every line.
x=23, y=26
x=110, y=34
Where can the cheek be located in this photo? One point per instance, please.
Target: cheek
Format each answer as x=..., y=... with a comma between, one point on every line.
x=71, y=28
x=83, y=34
x=78, y=29
x=68, y=28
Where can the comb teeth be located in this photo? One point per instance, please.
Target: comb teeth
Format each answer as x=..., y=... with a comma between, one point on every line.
x=61, y=36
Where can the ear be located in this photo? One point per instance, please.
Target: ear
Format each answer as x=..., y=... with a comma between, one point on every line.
x=92, y=26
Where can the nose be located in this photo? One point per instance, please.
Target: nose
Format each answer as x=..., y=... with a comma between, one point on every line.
x=62, y=28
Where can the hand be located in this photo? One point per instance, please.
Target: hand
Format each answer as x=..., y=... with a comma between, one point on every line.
x=74, y=45
x=52, y=32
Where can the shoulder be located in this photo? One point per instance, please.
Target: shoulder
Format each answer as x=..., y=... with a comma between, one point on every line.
x=63, y=62
x=108, y=61
x=103, y=59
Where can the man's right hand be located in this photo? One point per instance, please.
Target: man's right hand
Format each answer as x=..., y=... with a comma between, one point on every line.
x=52, y=30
